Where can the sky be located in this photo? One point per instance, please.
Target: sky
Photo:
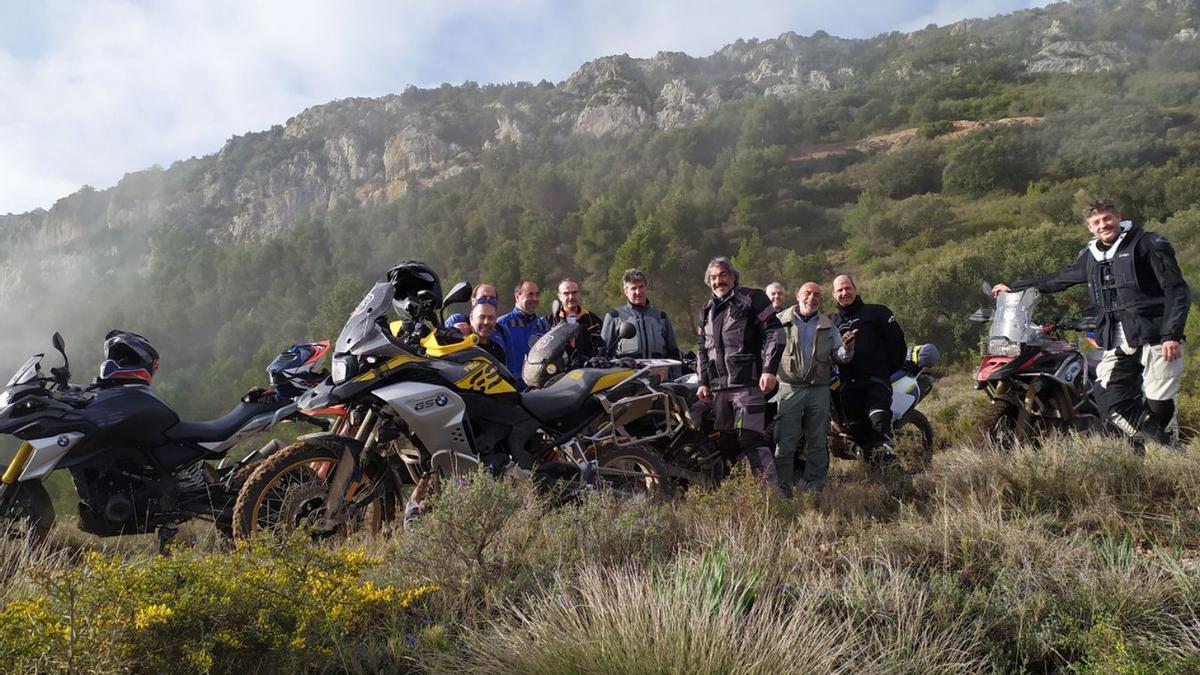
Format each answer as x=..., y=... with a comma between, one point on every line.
x=94, y=89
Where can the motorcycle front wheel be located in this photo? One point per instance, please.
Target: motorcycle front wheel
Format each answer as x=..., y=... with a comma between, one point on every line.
x=29, y=514
x=999, y=426
x=290, y=490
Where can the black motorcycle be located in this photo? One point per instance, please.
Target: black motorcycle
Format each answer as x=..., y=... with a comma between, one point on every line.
x=136, y=466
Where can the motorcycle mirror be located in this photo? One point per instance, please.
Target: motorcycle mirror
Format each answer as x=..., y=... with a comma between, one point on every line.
x=554, y=307
x=980, y=316
x=986, y=288
x=627, y=331
x=460, y=293
x=61, y=375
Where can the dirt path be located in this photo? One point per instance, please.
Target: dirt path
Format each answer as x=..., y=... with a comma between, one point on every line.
x=896, y=139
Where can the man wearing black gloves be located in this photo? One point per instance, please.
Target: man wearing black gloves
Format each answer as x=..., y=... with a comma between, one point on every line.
x=866, y=385
x=739, y=351
x=1143, y=300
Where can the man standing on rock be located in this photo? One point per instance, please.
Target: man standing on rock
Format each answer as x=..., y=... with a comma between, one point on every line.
x=1143, y=302
x=738, y=357
x=522, y=326
x=813, y=346
x=866, y=391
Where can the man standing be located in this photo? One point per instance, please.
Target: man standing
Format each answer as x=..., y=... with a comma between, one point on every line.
x=1143, y=301
x=483, y=324
x=655, y=337
x=739, y=351
x=570, y=310
x=866, y=392
x=776, y=293
x=813, y=346
x=522, y=326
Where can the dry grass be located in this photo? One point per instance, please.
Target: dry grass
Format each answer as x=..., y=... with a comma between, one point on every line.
x=1076, y=555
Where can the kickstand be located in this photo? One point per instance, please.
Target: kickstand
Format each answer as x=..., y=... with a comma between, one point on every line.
x=166, y=533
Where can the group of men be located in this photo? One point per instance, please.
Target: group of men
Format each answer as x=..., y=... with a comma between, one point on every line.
x=751, y=346
x=509, y=337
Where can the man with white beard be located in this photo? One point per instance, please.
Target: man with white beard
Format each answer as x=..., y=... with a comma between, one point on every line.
x=812, y=346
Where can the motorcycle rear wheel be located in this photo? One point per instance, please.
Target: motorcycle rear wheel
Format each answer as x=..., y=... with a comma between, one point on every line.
x=287, y=491
x=912, y=437
x=635, y=470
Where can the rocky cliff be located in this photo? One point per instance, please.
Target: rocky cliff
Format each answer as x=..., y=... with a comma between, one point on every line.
x=371, y=151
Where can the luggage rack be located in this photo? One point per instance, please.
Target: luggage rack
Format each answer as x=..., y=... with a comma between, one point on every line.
x=650, y=405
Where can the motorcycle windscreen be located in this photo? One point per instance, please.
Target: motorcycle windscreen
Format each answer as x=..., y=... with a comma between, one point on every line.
x=1013, y=316
x=27, y=372
x=363, y=328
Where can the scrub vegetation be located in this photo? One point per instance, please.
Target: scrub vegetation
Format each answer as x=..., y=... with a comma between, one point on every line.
x=1073, y=557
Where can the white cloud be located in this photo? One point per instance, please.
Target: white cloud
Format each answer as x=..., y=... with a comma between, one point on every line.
x=117, y=86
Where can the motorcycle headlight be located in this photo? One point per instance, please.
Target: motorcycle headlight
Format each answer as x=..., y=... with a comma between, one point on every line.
x=344, y=367
x=999, y=346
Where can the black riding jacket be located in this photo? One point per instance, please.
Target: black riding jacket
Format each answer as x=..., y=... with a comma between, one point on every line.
x=740, y=339
x=879, y=347
x=1137, y=286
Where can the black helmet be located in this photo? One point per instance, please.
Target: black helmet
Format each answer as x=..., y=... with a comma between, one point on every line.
x=128, y=356
x=409, y=279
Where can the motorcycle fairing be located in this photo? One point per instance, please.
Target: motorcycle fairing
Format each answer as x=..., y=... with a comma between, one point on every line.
x=47, y=452
x=434, y=414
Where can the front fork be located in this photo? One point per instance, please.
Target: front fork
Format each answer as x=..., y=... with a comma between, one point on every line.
x=15, y=468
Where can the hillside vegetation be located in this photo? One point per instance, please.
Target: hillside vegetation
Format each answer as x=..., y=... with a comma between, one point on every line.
x=1075, y=557
x=224, y=260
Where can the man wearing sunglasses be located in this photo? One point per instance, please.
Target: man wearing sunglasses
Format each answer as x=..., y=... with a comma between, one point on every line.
x=482, y=294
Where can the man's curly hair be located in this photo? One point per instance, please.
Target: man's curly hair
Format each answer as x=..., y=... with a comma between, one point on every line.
x=1099, y=206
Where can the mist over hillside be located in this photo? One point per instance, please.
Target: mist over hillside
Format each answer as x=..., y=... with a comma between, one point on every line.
x=922, y=162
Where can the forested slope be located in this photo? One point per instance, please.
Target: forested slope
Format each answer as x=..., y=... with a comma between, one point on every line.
x=758, y=150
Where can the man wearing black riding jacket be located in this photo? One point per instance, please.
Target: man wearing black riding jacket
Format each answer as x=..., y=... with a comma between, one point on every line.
x=739, y=350
x=1143, y=301
x=866, y=385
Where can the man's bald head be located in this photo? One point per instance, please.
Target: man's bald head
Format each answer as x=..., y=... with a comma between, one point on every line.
x=844, y=290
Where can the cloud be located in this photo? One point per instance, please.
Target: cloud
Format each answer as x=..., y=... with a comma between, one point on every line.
x=95, y=90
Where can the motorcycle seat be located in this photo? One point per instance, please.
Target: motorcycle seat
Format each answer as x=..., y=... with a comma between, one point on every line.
x=223, y=427
x=684, y=390
x=568, y=393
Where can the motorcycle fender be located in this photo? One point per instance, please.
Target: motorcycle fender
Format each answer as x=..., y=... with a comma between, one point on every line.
x=904, y=395
x=344, y=446
x=47, y=453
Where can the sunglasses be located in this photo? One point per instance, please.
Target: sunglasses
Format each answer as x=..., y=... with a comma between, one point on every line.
x=485, y=301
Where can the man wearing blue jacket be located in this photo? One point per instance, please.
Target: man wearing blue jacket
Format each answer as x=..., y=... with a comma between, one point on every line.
x=522, y=326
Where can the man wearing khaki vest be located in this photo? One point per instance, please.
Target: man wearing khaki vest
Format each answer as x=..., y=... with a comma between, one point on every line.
x=813, y=346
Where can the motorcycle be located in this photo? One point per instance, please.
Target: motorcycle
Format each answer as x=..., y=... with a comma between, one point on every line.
x=137, y=468
x=1035, y=379
x=426, y=404
x=681, y=428
x=911, y=434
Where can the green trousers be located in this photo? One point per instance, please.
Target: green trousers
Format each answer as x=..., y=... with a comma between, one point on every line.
x=802, y=421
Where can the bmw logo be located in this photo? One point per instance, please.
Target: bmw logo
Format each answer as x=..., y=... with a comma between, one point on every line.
x=63, y=441
x=441, y=400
